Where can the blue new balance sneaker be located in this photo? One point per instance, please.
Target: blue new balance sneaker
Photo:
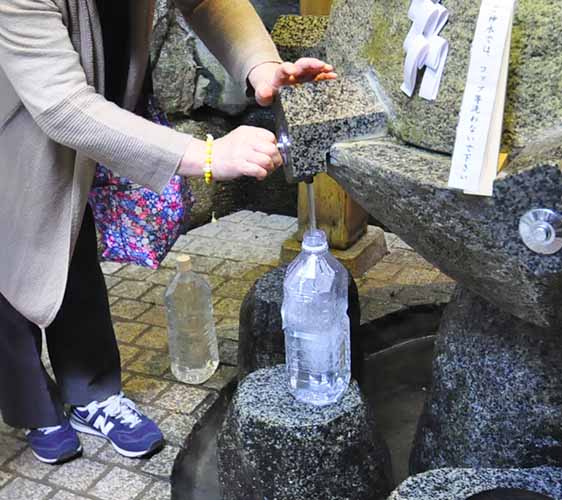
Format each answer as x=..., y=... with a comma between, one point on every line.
x=54, y=445
x=119, y=421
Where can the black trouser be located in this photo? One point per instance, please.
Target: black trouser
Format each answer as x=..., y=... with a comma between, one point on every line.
x=81, y=344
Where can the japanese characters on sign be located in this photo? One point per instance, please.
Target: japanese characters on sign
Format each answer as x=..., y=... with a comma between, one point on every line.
x=477, y=146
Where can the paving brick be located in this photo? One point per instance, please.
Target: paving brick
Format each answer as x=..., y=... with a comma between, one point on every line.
x=144, y=389
x=205, y=264
x=24, y=489
x=155, y=296
x=128, y=353
x=112, y=299
x=235, y=289
x=162, y=464
x=78, y=475
x=222, y=377
x=256, y=273
x=5, y=428
x=176, y=427
x=130, y=289
x=279, y=222
x=128, y=331
x=229, y=308
x=27, y=465
x=155, y=337
x=153, y=412
x=111, y=267
x=234, y=269
x=228, y=351
x=238, y=217
x=108, y=455
x=111, y=281
x=9, y=448
x=253, y=219
x=153, y=363
x=181, y=398
x=162, y=276
x=4, y=478
x=170, y=260
x=156, y=316
x=161, y=490
x=66, y=495
x=213, y=280
x=228, y=328
x=91, y=444
x=128, y=309
x=208, y=230
x=120, y=484
x=132, y=272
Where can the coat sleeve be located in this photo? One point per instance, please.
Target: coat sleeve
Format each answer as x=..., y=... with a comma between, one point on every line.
x=37, y=56
x=233, y=32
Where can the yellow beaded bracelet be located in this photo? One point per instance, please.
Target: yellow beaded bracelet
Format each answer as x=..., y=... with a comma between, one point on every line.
x=209, y=160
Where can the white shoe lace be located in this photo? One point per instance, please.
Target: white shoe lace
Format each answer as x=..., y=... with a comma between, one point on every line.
x=118, y=407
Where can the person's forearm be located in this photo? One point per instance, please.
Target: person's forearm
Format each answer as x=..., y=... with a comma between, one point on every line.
x=193, y=160
x=234, y=33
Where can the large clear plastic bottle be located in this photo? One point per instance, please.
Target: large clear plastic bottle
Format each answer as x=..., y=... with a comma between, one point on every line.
x=316, y=324
x=194, y=353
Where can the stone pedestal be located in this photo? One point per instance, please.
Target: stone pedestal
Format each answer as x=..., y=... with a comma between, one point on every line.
x=496, y=399
x=462, y=484
x=273, y=447
x=261, y=339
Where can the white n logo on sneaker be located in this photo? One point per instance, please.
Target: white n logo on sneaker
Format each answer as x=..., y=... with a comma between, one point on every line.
x=103, y=426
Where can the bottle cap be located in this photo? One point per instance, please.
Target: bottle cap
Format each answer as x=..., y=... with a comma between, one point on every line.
x=315, y=241
x=184, y=263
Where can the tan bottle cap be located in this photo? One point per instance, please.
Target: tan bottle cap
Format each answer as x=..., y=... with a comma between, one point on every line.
x=184, y=263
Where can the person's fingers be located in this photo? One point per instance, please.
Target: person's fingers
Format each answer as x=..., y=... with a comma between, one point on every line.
x=326, y=76
x=265, y=94
x=262, y=160
x=266, y=148
x=253, y=170
x=271, y=151
x=310, y=63
x=262, y=134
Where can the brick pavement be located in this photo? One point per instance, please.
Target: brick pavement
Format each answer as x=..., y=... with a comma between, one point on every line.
x=232, y=254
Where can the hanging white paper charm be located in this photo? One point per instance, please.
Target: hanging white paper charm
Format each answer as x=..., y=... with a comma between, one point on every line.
x=425, y=48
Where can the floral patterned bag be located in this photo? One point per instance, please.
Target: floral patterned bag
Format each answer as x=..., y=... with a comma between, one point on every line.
x=136, y=225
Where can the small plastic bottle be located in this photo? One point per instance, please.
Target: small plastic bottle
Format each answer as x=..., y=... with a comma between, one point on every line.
x=194, y=353
x=316, y=324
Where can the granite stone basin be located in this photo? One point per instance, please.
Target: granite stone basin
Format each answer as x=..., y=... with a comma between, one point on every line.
x=474, y=240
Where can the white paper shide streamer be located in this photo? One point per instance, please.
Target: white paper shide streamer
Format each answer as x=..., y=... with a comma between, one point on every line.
x=425, y=48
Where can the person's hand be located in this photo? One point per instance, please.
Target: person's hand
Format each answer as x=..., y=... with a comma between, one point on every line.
x=246, y=151
x=268, y=78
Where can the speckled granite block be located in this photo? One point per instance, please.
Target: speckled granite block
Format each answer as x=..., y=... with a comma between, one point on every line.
x=459, y=484
x=474, y=240
x=496, y=396
x=349, y=31
x=316, y=115
x=273, y=447
x=261, y=339
x=534, y=100
x=300, y=36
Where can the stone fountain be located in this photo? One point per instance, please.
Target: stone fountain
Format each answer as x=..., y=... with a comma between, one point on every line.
x=493, y=418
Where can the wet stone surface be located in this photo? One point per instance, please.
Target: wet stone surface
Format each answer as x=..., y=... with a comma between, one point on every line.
x=271, y=446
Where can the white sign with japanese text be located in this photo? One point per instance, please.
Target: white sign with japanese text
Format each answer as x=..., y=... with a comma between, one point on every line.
x=477, y=147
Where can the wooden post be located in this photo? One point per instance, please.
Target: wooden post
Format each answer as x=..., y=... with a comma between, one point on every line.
x=315, y=7
x=343, y=220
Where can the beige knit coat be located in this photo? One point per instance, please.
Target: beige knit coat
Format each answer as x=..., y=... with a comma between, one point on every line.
x=55, y=125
